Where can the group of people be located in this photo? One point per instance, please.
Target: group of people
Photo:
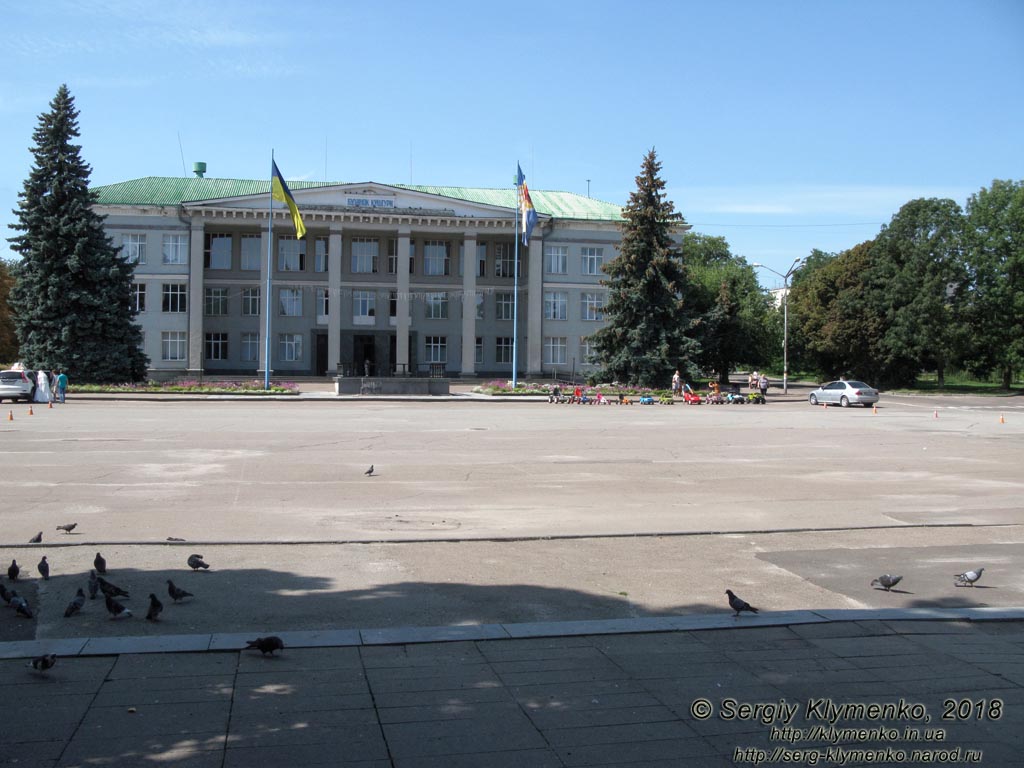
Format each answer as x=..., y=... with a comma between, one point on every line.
x=758, y=383
x=51, y=387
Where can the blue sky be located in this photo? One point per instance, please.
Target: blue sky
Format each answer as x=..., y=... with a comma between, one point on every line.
x=783, y=126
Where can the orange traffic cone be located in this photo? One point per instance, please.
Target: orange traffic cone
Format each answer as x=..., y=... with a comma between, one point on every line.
x=936, y=414
x=874, y=409
x=49, y=404
x=1002, y=419
x=10, y=415
x=30, y=411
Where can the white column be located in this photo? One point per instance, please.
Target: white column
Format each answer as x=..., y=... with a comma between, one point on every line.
x=535, y=307
x=195, y=299
x=334, y=300
x=469, y=304
x=266, y=304
x=402, y=321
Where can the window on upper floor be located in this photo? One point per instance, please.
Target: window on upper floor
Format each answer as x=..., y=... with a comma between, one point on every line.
x=592, y=306
x=175, y=249
x=291, y=254
x=556, y=259
x=591, y=260
x=215, y=302
x=436, y=257
x=133, y=248
x=174, y=297
x=291, y=302
x=250, y=301
x=555, y=305
x=252, y=256
x=137, y=297
x=504, y=306
x=437, y=305
x=217, y=251
x=320, y=254
x=365, y=255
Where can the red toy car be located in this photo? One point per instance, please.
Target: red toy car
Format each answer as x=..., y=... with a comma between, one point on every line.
x=691, y=398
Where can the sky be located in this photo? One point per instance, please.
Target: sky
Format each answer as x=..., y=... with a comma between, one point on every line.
x=782, y=126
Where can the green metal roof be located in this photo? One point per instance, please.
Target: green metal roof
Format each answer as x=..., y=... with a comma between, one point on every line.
x=174, y=190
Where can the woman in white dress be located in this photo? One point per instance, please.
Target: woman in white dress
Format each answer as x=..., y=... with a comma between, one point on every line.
x=43, y=392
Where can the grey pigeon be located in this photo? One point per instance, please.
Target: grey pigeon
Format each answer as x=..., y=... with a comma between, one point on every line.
x=21, y=606
x=43, y=663
x=266, y=645
x=195, y=562
x=739, y=605
x=111, y=590
x=116, y=610
x=12, y=598
x=887, y=581
x=155, y=607
x=369, y=472
x=44, y=569
x=37, y=539
x=967, y=578
x=67, y=527
x=94, y=585
x=75, y=605
x=177, y=593
x=13, y=570
x=100, y=564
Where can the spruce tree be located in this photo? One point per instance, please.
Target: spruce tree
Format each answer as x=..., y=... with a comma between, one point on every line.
x=645, y=338
x=71, y=299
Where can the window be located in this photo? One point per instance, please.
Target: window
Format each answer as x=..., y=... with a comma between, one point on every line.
x=436, y=257
x=216, y=346
x=250, y=301
x=555, y=305
x=481, y=260
x=216, y=302
x=320, y=257
x=175, y=250
x=290, y=347
x=412, y=257
x=591, y=260
x=217, y=252
x=586, y=351
x=364, y=254
x=174, y=297
x=392, y=256
x=322, y=306
x=250, y=347
x=503, y=260
x=137, y=298
x=134, y=248
x=592, y=306
x=291, y=302
x=504, y=306
x=478, y=353
x=503, y=350
x=479, y=306
x=554, y=350
x=364, y=307
x=291, y=254
x=437, y=306
x=393, y=307
x=252, y=253
x=437, y=349
x=556, y=259
x=172, y=345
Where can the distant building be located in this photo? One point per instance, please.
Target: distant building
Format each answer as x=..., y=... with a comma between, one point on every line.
x=778, y=294
x=389, y=278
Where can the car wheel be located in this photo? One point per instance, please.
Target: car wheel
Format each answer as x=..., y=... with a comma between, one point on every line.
x=844, y=401
x=813, y=399
x=866, y=405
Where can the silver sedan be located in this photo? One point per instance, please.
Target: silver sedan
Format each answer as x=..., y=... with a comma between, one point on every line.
x=844, y=393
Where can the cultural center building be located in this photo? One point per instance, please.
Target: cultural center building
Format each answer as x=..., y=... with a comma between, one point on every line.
x=389, y=280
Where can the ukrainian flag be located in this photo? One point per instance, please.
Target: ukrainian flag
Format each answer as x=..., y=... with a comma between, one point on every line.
x=279, y=191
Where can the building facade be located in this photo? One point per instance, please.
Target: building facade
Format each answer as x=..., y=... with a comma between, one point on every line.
x=388, y=280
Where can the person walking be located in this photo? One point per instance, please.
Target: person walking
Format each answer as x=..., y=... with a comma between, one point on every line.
x=676, y=384
x=43, y=394
x=62, y=386
x=762, y=384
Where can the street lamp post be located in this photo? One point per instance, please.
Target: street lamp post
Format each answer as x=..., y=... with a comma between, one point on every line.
x=785, y=316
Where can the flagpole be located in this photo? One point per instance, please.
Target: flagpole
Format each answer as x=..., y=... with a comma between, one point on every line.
x=515, y=292
x=270, y=270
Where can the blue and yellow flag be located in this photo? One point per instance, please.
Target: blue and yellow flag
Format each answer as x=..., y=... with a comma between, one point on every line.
x=526, y=206
x=280, y=192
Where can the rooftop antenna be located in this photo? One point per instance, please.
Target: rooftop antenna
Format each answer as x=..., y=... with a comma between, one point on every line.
x=588, y=187
x=182, y=151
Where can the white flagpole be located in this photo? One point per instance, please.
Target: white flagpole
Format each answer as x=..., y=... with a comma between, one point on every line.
x=515, y=293
x=267, y=303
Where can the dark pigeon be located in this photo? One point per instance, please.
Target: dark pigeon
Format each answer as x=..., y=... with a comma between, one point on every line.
x=4, y=594
x=13, y=570
x=67, y=527
x=739, y=605
x=37, y=539
x=94, y=585
x=967, y=578
x=155, y=607
x=100, y=564
x=116, y=610
x=177, y=593
x=111, y=590
x=369, y=472
x=195, y=562
x=44, y=569
x=266, y=645
x=887, y=581
x=75, y=605
x=45, y=662
x=21, y=606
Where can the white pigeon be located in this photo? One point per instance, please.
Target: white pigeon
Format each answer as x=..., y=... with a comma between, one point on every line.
x=967, y=578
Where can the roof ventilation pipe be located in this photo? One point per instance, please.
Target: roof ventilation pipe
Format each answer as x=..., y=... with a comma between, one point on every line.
x=199, y=169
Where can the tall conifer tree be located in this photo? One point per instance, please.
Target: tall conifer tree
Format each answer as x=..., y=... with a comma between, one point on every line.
x=645, y=338
x=71, y=299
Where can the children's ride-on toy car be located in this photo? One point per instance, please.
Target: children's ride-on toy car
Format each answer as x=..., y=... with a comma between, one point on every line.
x=691, y=398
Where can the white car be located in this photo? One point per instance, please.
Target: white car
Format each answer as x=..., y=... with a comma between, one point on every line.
x=844, y=393
x=15, y=385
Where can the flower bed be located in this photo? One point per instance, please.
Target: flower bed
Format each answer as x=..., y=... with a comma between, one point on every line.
x=190, y=387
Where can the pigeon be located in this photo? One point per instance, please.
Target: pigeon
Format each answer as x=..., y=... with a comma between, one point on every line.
x=12, y=598
x=887, y=581
x=266, y=645
x=94, y=585
x=100, y=564
x=111, y=590
x=21, y=606
x=44, y=662
x=739, y=605
x=75, y=605
x=37, y=539
x=4, y=594
x=44, y=569
x=67, y=527
x=177, y=593
x=13, y=570
x=967, y=578
x=369, y=472
x=117, y=611
x=195, y=562
x=155, y=607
